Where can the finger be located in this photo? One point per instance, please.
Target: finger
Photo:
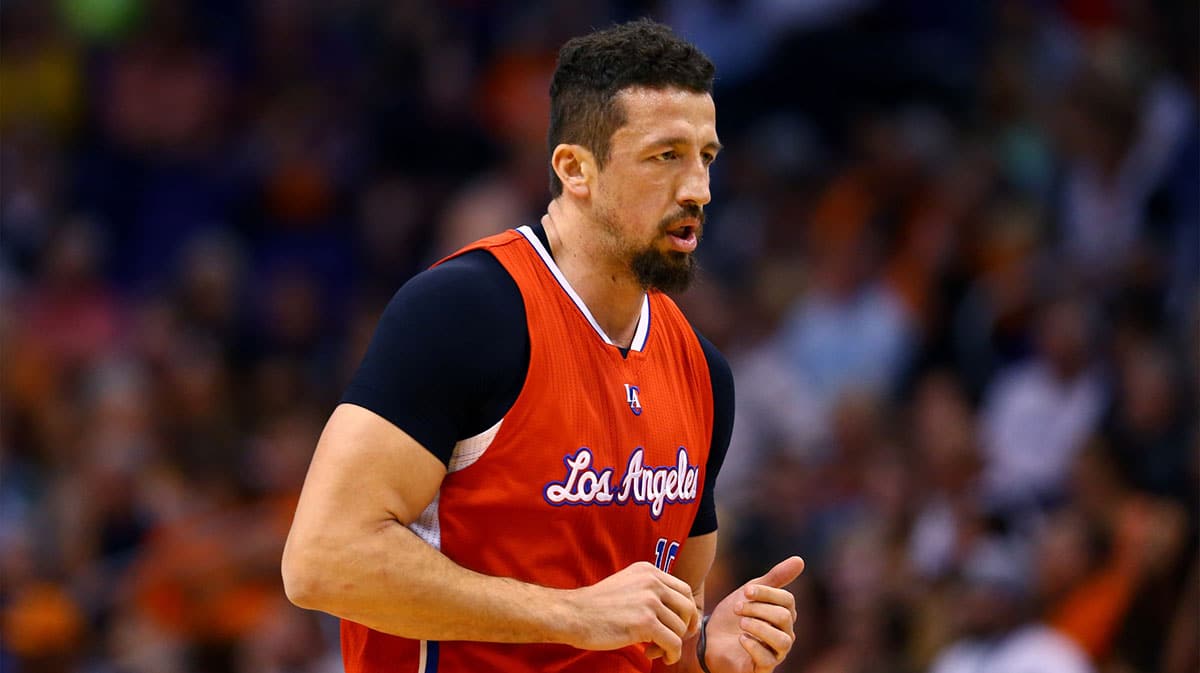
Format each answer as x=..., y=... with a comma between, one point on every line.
x=653, y=651
x=765, y=594
x=667, y=641
x=779, y=642
x=681, y=605
x=677, y=585
x=775, y=615
x=679, y=597
x=668, y=618
x=764, y=659
x=694, y=625
x=784, y=573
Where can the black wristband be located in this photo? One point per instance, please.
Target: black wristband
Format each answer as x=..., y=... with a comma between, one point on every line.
x=702, y=644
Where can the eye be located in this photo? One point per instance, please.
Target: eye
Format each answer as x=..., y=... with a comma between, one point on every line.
x=708, y=157
x=669, y=155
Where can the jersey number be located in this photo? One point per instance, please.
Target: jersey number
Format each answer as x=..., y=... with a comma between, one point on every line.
x=664, y=554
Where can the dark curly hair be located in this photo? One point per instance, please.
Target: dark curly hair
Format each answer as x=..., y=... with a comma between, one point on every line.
x=594, y=68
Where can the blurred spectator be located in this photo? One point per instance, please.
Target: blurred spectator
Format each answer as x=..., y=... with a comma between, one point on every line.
x=849, y=330
x=998, y=634
x=948, y=519
x=44, y=627
x=990, y=328
x=1183, y=644
x=289, y=642
x=1128, y=545
x=1039, y=413
x=1119, y=141
x=1148, y=425
x=204, y=206
x=40, y=72
x=1087, y=593
x=71, y=313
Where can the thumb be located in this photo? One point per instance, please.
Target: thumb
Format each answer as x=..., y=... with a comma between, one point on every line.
x=784, y=573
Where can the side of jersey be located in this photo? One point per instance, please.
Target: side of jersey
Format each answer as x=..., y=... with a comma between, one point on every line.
x=599, y=464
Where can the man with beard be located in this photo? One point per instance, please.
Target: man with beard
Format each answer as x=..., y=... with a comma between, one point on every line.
x=520, y=476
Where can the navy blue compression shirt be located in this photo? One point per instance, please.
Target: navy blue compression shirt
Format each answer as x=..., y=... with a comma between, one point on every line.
x=450, y=353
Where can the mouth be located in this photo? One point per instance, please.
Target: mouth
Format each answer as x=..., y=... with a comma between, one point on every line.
x=683, y=235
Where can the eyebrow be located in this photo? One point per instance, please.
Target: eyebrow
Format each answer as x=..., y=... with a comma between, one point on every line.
x=715, y=146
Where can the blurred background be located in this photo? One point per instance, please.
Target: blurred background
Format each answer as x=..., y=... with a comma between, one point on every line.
x=952, y=256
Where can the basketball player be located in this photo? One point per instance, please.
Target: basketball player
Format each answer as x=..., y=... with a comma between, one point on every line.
x=520, y=476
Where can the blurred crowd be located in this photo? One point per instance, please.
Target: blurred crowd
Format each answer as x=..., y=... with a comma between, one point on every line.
x=953, y=257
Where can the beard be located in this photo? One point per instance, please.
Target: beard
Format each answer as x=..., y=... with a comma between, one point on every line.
x=670, y=270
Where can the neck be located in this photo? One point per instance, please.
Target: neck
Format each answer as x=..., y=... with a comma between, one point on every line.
x=606, y=285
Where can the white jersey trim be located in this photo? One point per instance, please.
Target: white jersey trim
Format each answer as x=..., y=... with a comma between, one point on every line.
x=428, y=659
x=471, y=449
x=427, y=527
x=643, y=327
x=465, y=453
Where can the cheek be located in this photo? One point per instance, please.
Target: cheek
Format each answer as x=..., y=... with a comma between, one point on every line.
x=636, y=203
x=653, y=201
x=631, y=194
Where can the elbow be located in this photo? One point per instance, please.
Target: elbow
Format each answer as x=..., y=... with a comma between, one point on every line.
x=301, y=579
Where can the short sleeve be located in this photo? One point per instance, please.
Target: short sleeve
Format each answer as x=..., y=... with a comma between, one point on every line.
x=723, y=408
x=449, y=355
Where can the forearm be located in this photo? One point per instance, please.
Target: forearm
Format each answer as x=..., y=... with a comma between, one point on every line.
x=693, y=565
x=392, y=581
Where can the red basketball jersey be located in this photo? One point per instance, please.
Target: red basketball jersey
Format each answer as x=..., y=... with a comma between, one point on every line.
x=599, y=463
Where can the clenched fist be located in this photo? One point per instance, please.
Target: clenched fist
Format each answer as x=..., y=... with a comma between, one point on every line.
x=640, y=604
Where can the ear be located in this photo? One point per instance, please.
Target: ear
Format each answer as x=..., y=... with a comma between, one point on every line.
x=575, y=166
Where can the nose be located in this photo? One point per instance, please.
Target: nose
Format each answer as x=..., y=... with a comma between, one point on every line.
x=693, y=186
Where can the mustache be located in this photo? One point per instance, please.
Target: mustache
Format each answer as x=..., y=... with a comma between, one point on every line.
x=690, y=211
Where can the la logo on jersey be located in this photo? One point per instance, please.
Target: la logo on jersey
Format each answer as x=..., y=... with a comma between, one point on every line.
x=631, y=396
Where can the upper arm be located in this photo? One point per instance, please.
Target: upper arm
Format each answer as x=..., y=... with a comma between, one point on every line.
x=364, y=473
x=446, y=361
x=365, y=477
x=694, y=561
